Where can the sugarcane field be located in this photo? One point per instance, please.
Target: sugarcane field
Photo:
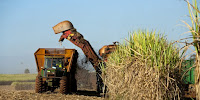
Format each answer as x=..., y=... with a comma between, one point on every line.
x=100, y=50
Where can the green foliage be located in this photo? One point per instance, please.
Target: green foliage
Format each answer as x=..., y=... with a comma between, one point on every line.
x=145, y=66
x=17, y=77
x=195, y=27
x=26, y=71
x=147, y=46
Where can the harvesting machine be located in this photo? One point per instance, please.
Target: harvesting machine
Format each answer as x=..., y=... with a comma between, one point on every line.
x=52, y=74
x=71, y=34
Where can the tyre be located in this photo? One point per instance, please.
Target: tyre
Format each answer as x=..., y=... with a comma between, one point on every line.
x=64, y=85
x=38, y=85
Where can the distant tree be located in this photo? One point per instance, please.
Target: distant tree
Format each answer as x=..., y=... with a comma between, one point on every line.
x=26, y=71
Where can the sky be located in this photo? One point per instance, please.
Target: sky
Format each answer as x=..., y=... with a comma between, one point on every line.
x=26, y=25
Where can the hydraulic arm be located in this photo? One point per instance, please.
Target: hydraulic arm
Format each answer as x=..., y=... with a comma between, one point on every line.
x=70, y=33
x=77, y=39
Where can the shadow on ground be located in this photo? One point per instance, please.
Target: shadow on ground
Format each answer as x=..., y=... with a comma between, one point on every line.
x=88, y=93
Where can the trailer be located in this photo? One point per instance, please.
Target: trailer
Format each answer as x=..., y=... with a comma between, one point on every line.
x=56, y=69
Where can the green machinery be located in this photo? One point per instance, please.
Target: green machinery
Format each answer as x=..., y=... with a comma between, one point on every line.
x=188, y=70
x=189, y=78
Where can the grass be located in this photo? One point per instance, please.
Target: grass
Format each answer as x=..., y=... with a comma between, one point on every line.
x=22, y=83
x=144, y=66
x=17, y=77
x=150, y=46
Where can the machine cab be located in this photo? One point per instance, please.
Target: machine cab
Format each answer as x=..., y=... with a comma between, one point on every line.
x=54, y=62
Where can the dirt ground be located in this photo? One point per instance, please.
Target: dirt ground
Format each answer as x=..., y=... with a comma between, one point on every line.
x=8, y=93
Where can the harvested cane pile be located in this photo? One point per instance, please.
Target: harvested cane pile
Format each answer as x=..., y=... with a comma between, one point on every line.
x=145, y=66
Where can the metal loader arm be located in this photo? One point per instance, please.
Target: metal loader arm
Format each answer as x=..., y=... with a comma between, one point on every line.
x=70, y=33
x=77, y=39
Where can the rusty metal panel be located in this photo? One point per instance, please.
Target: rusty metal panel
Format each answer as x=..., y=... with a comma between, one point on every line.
x=70, y=56
x=39, y=58
x=62, y=26
x=56, y=52
x=106, y=50
x=87, y=50
x=69, y=52
x=40, y=61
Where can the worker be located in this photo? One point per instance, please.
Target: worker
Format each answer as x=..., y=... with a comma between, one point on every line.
x=59, y=65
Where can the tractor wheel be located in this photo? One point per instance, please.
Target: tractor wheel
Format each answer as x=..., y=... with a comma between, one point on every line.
x=64, y=85
x=38, y=85
x=44, y=87
x=74, y=85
